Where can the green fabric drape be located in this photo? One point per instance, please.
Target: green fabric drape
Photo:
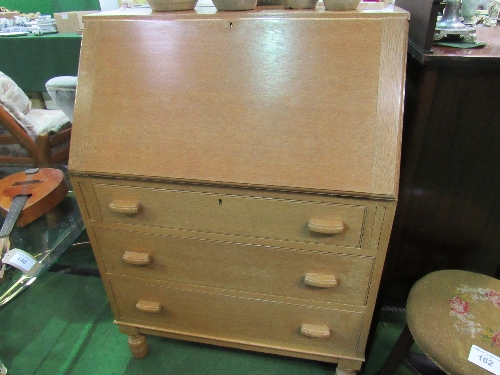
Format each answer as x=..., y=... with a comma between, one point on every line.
x=50, y=6
x=33, y=60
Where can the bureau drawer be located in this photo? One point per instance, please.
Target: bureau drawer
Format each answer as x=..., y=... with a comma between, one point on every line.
x=259, y=322
x=268, y=270
x=293, y=220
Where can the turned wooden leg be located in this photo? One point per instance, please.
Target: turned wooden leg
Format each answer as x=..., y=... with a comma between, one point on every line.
x=348, y=367
x=398, y=353
x=138, y=345
x=341, y=371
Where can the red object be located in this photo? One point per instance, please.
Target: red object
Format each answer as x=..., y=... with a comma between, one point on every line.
x=459, y=306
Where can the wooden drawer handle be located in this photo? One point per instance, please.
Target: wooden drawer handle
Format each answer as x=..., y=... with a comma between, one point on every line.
x=124, y=207
x=320, y=280
x=326, y=226
x=148, y=306
x=312, y=330
x=137, y=259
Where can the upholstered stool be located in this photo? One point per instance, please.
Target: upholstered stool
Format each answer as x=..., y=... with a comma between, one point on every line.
x=453, y=316
x=62, y=90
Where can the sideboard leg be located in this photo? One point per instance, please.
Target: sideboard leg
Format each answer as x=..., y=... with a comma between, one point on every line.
x=138, y=345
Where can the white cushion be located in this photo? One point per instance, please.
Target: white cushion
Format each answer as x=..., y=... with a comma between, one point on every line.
x=46, y=120
x=11, y=93
x=16, y=103
x=33, y=121
x=20, y=118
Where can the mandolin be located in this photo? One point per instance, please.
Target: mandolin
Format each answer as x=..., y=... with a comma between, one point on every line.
x=25, y=196
x=30, y=194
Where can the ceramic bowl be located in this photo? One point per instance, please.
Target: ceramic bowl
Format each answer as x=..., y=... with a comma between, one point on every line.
x=235, y=4
x=300, y=4
x=171, y=5
x=341, y=4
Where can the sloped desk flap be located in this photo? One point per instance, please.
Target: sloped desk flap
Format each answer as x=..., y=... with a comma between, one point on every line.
x=263, y=98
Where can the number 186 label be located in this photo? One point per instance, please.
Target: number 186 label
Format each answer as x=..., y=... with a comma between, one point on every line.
x=485, y=359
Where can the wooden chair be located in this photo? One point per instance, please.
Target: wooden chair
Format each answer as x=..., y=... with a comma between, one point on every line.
x=454, y=317
x=30, y=136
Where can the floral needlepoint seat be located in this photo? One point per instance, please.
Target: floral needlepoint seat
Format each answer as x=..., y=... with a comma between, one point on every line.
x=454, y=317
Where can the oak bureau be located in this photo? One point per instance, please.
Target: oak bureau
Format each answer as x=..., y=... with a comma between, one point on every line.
x=238, y=172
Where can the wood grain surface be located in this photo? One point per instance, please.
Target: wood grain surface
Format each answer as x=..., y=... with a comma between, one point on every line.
x=241, y=214
x=238, y=173
x=271, y=271
x=215, y=314
x=271, y=101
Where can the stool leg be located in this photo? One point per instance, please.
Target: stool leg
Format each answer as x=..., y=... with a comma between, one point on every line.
x=398, y=353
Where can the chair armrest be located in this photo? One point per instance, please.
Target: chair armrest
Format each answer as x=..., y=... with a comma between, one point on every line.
x=47, y=140
x=60, y=137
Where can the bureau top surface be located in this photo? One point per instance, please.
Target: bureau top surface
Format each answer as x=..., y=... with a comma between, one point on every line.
x=289, y=99
x=206, y=10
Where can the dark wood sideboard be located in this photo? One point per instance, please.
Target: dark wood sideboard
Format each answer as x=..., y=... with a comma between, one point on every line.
x=448, y=216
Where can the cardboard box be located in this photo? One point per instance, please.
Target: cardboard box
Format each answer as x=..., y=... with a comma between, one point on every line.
x=82, y=13
x=67, y=22
x=71, y=22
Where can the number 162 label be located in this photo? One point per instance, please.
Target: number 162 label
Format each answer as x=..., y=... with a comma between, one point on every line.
x=485, y=359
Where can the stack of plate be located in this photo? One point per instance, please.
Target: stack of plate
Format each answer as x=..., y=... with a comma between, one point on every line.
x=45, y=26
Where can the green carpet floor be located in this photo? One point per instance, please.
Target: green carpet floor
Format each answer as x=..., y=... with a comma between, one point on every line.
x=63, y=325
